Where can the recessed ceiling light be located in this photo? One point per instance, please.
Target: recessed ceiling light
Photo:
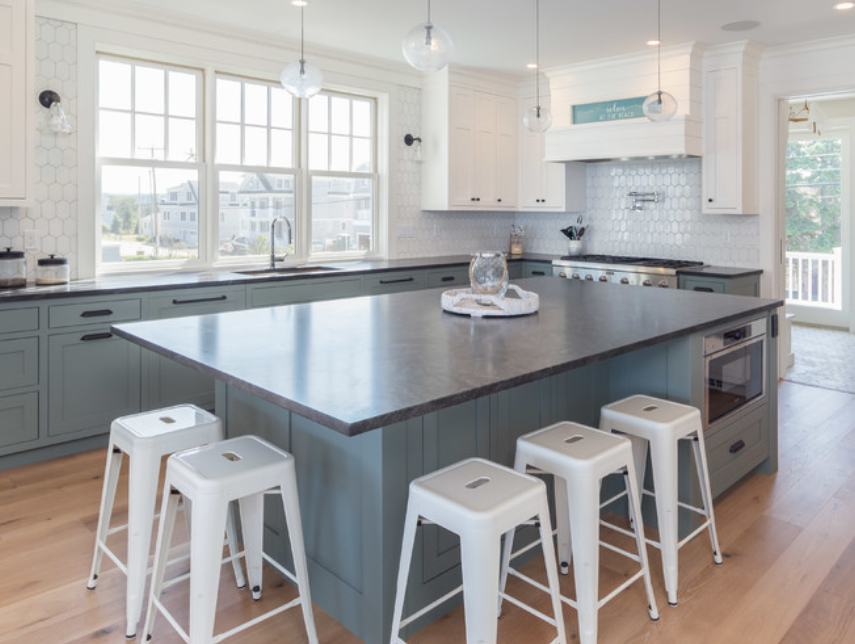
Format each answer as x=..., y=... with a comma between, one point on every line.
x=300, y=3
x=652, y=43
x=532, y=65
x=740, y=25
x=843, y=6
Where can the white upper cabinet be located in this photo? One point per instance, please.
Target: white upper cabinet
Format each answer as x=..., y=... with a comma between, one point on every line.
x=545, y=186
x=17, y=58
x=730, y=181
x=469, y=144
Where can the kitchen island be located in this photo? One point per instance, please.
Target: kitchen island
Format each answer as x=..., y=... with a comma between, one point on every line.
x=371, y=392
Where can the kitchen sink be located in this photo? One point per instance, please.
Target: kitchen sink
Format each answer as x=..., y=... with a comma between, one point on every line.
x=287, y=270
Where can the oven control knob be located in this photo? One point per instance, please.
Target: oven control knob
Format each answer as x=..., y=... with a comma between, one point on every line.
x=589, y=277
x=624, y=280
x=575, y=276
x=663, y=284
x=603, y=278
x=562, y=274
x=647, y=283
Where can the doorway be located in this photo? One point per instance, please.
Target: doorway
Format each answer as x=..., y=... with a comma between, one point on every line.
x=819, y=229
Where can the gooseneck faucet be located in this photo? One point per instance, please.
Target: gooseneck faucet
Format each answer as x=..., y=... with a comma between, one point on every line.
x=273, y=257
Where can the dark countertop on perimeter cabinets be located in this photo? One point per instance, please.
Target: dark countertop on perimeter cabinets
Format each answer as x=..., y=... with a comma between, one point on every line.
x=226, y=276
x=361, y=363
x=720, y=271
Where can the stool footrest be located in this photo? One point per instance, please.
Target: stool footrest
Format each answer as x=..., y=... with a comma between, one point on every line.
x=429, y=607
x=526, y=548
x=546, y=618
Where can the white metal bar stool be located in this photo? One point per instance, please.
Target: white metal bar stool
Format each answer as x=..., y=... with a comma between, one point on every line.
x=243, y=469
x=146, y=438
x=479, y=501
x=661, y=424
x=579, y=457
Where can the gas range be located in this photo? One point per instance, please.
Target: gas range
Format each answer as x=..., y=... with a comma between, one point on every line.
x=634, y=271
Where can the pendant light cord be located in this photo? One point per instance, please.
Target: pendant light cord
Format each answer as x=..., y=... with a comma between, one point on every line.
x=537, y=51
x=659, y=48
x=302, y=37
x=428, y=20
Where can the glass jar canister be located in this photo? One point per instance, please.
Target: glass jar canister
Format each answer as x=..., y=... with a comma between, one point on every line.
x=52, y=271
x=13, y=269
x=488, y=274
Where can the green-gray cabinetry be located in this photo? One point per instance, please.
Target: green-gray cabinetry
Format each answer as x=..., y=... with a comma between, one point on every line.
x=743, y=284
x=308, y=290
x=19, y=377
x=451, y=277
x=393, y=282
x=93, y=376
x=536, y=269
x=166, y=382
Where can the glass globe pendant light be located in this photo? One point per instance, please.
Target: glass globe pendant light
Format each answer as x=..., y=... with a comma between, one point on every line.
x=659, y=106
x=427, y=47
x=301, y=79
x=538, y=118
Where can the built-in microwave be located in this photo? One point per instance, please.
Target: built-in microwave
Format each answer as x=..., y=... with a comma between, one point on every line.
x=734, y=370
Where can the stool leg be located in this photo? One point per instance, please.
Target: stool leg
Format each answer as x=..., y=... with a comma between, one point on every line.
x=108, y=497
x=507, y=550
x=294, y=524
x=640, y=447
x=551, y=570
x=231, y=540
x=638, y=523
x=706, y=492
x=585, y=531
x=168, y=509
x=562, y=521
x=252, y=522
x=206, y=555
x=411, y=522
x=663, y=458
x=142, y=495
x=479, y=557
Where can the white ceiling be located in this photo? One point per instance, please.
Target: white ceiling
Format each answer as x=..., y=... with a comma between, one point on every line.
x=499, y=34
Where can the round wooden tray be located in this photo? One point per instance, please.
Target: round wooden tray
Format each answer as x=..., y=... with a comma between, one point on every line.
x=465, y=302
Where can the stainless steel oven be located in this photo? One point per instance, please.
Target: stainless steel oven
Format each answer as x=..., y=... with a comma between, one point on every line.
x=734, y=370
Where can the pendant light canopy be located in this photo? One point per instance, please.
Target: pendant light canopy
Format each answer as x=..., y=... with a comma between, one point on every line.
x=427, y=47
x=301, y=79
x=538, y=118
x=659, y=106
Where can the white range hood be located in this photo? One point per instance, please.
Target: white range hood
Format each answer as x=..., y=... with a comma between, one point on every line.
x=618, y=78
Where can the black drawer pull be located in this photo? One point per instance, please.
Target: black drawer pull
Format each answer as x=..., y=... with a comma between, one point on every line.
x=219, y=298
x=538, y=273
x=98, y=313
x=96, y=336
x=448, y=278
x=400, y=281
x=737, y=446
x=704, y=289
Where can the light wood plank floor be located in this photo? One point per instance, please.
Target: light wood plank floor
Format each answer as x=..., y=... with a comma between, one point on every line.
x=788, y=540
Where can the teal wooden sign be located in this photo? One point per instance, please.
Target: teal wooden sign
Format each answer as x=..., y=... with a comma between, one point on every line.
x=617, y=110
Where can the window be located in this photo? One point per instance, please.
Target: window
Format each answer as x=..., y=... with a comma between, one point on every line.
x=156, y=178
x=148, y=143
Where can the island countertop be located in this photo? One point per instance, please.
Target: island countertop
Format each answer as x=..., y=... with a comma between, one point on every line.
x=362, y=363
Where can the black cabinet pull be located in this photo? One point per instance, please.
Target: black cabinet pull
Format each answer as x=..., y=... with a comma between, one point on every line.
x=448, y=278
x=96, y=336
x=704, y=289
x=98, y=313
x=709, y=200
x=737, y=446
x=538, y=273
x=499, y=200
x=219, y=298
x=400, y=281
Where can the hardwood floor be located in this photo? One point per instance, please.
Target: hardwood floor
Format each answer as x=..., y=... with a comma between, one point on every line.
x=788, y=540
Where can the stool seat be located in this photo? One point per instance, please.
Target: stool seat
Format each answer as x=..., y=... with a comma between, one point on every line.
x=479, y=501
x=146, y=438
x=579, y=457
x=244, y=469
x=657, y=426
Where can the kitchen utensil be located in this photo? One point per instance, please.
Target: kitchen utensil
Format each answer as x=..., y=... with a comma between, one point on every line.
x=13, y=269
x=52, y=271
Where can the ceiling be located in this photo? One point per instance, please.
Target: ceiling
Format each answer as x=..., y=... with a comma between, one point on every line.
x=499, y=34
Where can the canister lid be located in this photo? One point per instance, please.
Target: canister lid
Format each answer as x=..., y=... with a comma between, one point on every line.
x=11, y=254
x=53, y=260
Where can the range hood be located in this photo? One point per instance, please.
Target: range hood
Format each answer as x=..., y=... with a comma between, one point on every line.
x=611, y=80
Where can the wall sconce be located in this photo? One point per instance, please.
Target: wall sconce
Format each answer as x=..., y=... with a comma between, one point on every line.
x=410, y=140
x=58, y=121
x=641, y=198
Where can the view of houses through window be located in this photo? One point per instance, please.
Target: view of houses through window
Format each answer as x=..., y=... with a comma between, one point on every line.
x=152, y=171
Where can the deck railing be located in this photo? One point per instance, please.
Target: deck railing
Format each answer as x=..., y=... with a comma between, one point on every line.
x=815, y=279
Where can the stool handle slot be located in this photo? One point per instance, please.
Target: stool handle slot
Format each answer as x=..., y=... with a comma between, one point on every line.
x=650, y=408
x=231, y=456
x=473, y=485
x=573, y=439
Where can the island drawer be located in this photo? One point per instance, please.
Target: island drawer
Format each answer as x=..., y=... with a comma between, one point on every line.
x=100, y=312
x=15, y=320
x=19, y=419
x=19, y=363
x=736, y=449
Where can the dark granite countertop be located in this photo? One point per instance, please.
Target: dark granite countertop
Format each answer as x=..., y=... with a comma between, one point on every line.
x=361, y=363
x=720, y=271
x=133, y=283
